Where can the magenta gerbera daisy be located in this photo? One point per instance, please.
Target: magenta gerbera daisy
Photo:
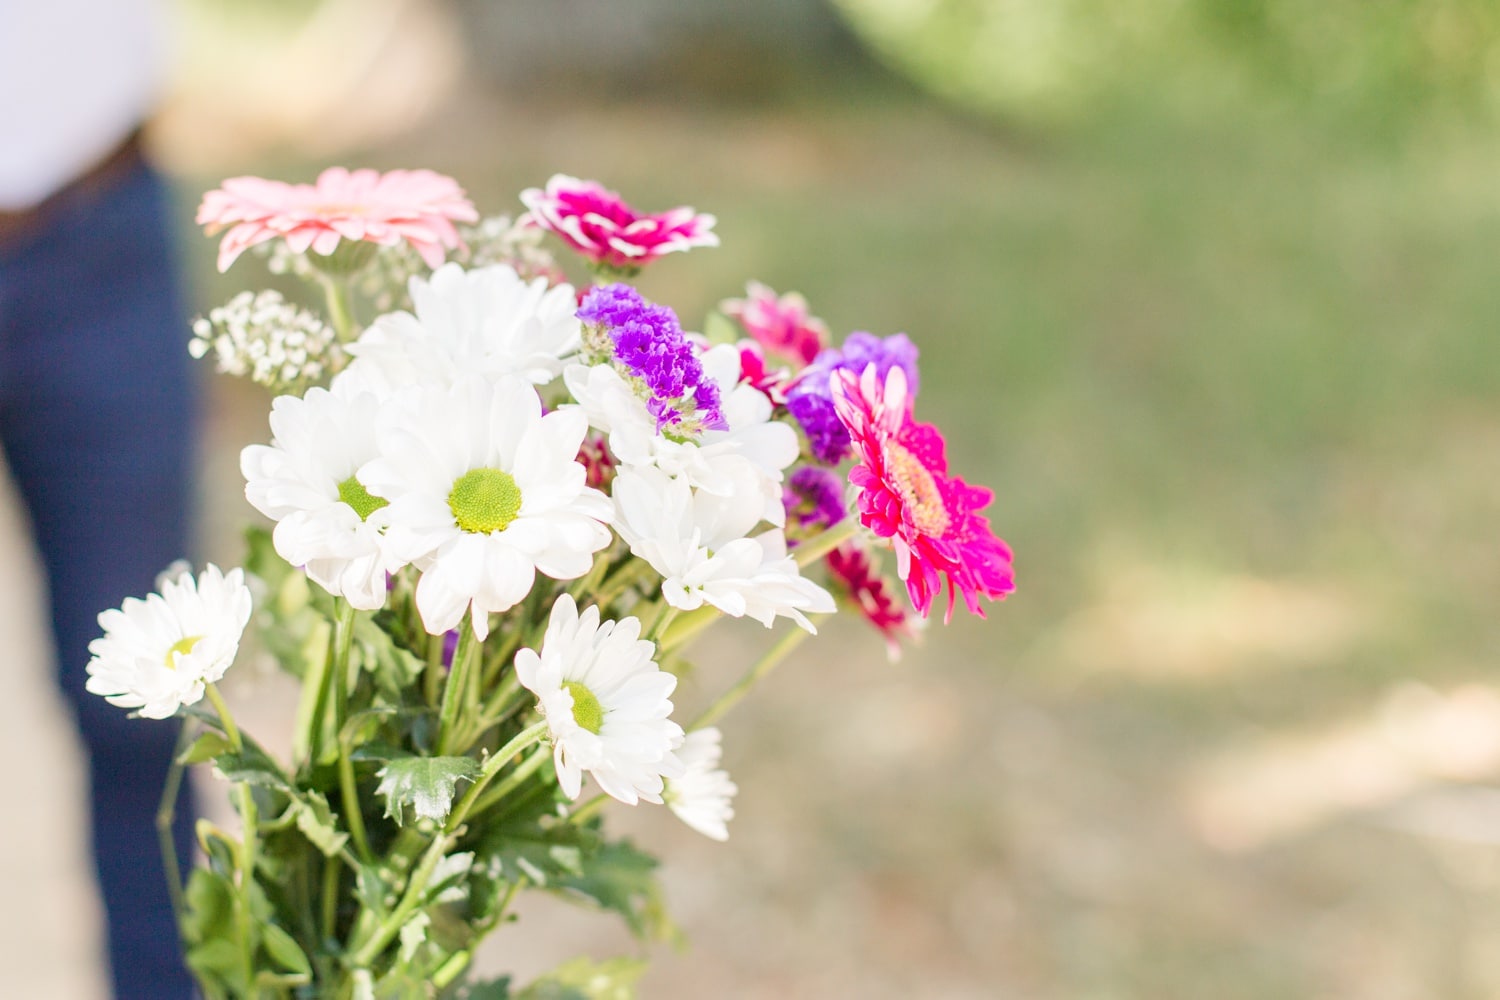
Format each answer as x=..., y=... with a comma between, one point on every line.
x=599, y=224
x=418, y=207
x=907, y=496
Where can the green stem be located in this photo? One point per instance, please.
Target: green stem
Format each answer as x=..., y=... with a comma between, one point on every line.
x=432, y=674
x=230, y=729
x=248, y=851
x=340, y=312
x=519, y=742
x=773, y=656
x=514, y=779
x=348, y=791
x=634, y=571
x=166, y=813
x=308, y=737
x=330, y=898
x=686, y=628
x=586, y=811
x=456, y=691
x=501, y=703
x=382, y=936
x=820, y=545
x=664, y=616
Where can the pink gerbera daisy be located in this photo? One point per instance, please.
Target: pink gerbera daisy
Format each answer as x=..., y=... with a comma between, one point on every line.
x=781, y=324
x=417, y=206
x=599, y=224
x=906, y=495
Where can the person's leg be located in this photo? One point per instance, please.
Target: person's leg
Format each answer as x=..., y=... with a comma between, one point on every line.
x=98, y=420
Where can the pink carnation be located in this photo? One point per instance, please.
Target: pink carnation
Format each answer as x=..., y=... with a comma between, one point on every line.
x=418, y=206
x=854, y=572
x=906, y=495
x=600, y=225
x=781, y=324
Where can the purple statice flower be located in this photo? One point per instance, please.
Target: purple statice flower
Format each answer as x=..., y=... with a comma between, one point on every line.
x=814, y=501
x=648, y=344
x=810, y=400
x=450, y=647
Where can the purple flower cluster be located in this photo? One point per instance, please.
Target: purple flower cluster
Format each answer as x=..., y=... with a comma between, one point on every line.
x=650, y=345
x=810, y=400
x=814, y=500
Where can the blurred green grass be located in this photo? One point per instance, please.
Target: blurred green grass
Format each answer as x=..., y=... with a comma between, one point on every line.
x=1185, y=355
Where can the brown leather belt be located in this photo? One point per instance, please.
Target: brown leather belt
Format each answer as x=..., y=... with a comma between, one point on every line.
x=15, y=226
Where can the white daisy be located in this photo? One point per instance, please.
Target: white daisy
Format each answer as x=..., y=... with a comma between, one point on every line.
x=695, y=540
x=484, y=492
x=488, y=321
x=701, y=797
x=326, y=522
x=156, y=655
x=606, y=704
x=714, y=462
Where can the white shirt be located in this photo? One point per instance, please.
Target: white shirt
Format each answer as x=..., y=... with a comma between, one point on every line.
x=76, y=78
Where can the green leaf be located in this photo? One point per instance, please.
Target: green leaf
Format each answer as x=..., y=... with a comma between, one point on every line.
x=427, y=784
x=542, y=853
x=585, y=979
x=217, y=961
x=720, y=329
x=622, y=879
x=284, y=950
x=494, y=989
x=209, y=906
x=252, y=765
x=205, y=748
x=315, y=820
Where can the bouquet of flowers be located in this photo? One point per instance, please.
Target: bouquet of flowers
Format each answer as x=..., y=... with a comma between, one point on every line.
x=504, y=509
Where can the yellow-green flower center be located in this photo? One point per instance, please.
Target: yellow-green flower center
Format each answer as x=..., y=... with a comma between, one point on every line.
x=484, y=500
x=353, y=493
x=587, y=711
x=180, y=648
x=919, y=491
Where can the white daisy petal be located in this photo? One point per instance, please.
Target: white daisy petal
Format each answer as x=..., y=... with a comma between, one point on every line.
x=606, y=704
x=158, y=654
x=506, y=500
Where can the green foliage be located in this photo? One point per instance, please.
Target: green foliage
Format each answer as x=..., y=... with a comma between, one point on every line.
x=586, y=979
x=621, y=879
x=426, y=784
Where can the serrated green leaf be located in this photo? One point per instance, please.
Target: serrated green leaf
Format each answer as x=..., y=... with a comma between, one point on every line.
x=315, y=819
x=621, y=879
x=585, y=979
x=205, y=748
x=284, y=950
x=427, y=784
x=541, y=854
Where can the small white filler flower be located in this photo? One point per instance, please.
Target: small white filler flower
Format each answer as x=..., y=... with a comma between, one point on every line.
x=485, y=492
x=156, y=655
x=701, y=797
x=606, y=703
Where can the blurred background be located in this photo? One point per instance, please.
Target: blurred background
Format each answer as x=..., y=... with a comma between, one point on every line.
x=1205, y=291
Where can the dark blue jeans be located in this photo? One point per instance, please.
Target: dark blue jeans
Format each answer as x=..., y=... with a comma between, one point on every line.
x=98, y=422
